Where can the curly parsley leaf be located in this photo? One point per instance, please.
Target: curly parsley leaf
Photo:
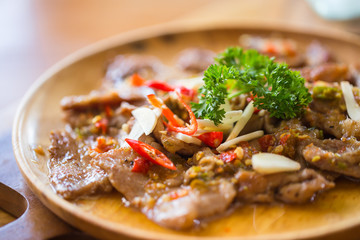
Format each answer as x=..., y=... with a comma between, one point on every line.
x=212, y=94
x=277, y=89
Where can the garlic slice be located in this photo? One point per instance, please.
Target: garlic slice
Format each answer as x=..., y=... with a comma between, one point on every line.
x=146, y=117
x=188, y=139
x=232, y=116
x=206, y=124
x=248, y=112
x=353, y=108
x=246, y=137
x=267, y=163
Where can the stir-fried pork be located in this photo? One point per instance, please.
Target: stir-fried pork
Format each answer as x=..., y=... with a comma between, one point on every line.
x=176, y=181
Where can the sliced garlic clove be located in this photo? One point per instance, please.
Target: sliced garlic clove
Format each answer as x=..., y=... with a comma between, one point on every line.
x=188, y=139
x=352, y=106
x=267, y=163
x=146, y=118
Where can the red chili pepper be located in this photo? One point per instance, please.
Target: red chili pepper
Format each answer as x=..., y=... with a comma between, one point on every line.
x=160, y=85
x=108, y=111
x=265, y=142
x=150, y=153
x=158, y=103
x=283, y=138
x=228, y=156
x=101, y=145
x=102, y=124
x=190, y=129
x=178, y=194
x=141, y=165
x=212, y=139
x=136, y=80
x=186, y=91
x=251, y=98
x=270, y=48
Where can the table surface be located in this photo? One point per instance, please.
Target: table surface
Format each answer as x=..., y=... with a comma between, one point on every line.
x=36, y=34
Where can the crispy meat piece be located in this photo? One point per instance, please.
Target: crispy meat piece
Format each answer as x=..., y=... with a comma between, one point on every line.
x=70, y=170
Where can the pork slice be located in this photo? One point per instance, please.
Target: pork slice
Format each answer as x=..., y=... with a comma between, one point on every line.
x=317, y=54
x=102, y=98
x=172, y=144
x=328, y=122
x=297, y=187
x=195, y=59
x=123, y=66
x=117, y=163
x=191, y=204
x=350, y=128
x=328, y=72
x=71, y=173
x=334, y=155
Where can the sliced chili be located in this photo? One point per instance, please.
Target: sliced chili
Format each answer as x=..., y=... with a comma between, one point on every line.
x=158, y=103
x=141, y=165
x=212, y=139
x=163, y=86
x=102, y=124
x=228, y=156
x=190, y=129
x=150, y=153
x=159, y=85
x=266, y=141
x=136, y=80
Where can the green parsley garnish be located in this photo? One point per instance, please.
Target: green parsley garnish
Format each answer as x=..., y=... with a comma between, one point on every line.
x=276, y=88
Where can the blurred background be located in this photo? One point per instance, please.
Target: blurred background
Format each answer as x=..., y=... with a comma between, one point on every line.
x=35, y=34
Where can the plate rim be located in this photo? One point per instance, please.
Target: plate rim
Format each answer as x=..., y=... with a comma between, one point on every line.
x=82, y=218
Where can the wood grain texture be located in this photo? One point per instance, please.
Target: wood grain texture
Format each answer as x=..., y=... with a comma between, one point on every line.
x=105, y=217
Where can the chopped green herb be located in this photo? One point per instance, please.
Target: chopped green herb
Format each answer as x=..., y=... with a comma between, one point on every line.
x=276, y=88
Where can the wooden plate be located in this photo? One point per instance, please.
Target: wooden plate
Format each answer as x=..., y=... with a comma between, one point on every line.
x=333, y=213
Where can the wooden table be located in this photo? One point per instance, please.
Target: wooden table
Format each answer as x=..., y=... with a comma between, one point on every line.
x=36, y=34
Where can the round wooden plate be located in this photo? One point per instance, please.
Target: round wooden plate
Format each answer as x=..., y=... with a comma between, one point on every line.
x=333, y=213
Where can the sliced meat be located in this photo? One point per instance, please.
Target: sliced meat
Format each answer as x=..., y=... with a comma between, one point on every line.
x=100, y=99
x=350, y=128
x=191, y=204
x=117, y=164
x=328, y=72
x=328, y=122
x=123, y=66
x=335, y=156
x=255, y=123
x=172, y=144
x=81, y=119
x=283, y=49
x=71, y=173
x=195, y=59
x=298, y=187
x=317, y=54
